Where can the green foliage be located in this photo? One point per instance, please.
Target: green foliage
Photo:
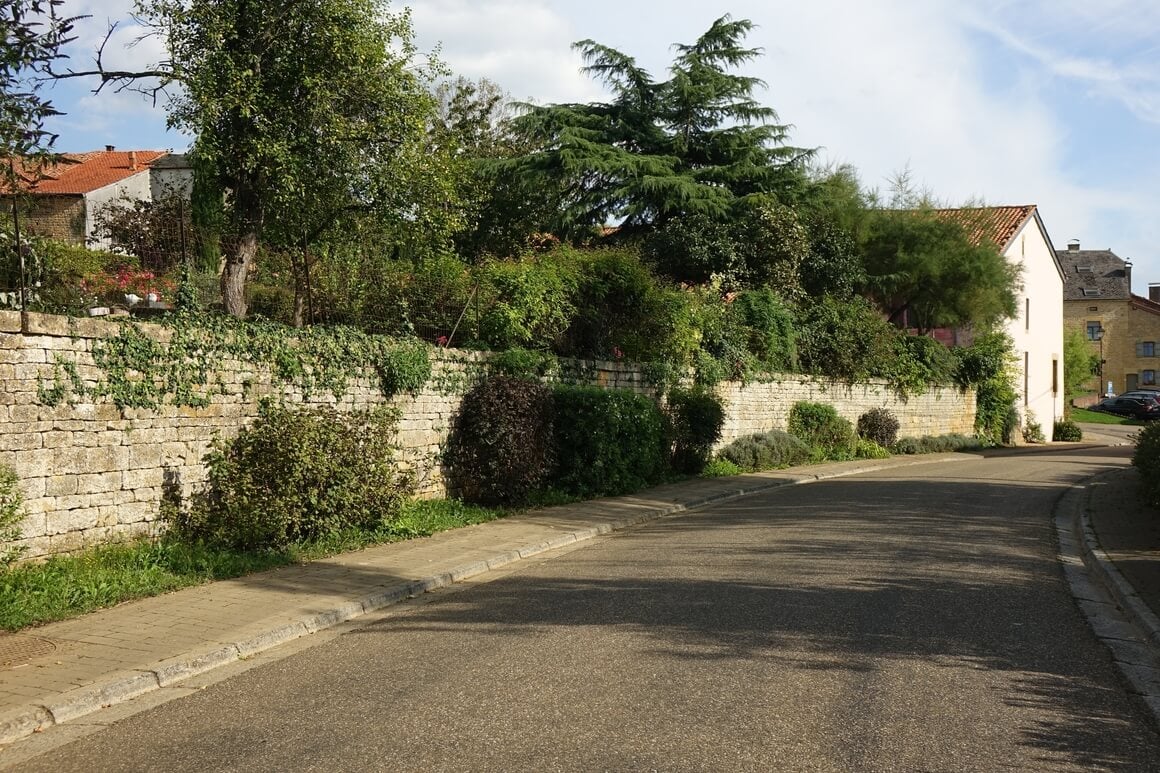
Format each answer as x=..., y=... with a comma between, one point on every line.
x=819, y=426
x=720, y=468
x=154, y=231
x=846, y=340
x=500, y=449
x=1066, y=430
x=694, y=144
x=988, y=365
x=771, y=450
x=34, y=33
x=524, y=363
x=868, y=449
x=772, y=244
x=771, y=328
x=1146, y=459
x=529, y=303
x=142, y=372
x=608, y=441
x=11, y=514
x=1033, y=430
x=878, y=425
x=622, y=311
x=937, y=444
x=267, y=95
x=924, y=264
x=695, y=420
x=921, y=362
x=1080, y=364
x=296, y=475
x=693, y=248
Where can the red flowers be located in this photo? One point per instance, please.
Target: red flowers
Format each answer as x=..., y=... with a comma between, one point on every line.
x=126, y=280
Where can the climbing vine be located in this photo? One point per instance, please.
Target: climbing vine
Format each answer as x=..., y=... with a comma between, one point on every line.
x=184, y=367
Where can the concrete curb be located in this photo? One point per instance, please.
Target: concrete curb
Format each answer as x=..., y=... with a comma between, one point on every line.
x=1116, y=614
x=1098, y=561
x=124, y=686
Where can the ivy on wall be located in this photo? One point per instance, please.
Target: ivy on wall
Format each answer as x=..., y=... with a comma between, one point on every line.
x=141, y=371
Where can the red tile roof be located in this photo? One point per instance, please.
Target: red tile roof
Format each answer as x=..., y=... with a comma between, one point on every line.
x=79, y=173
x=995, y=224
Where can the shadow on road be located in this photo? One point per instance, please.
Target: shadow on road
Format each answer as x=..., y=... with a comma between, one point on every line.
x=847, y=575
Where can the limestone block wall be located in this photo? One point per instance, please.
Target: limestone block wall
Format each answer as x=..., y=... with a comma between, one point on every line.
x=759, y=407
x=92, y=472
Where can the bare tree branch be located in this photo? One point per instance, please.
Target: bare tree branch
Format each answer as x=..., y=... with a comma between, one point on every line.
x=121, y=80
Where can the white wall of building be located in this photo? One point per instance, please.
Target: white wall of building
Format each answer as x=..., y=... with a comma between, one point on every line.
x=123, y=193
x=1037, y=329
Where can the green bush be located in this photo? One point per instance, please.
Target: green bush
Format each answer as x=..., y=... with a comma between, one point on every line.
x=1033, y=430
x=622, y=310
x=720, y=468
x=1146, y=459
x=524, y=363
x=770, y=328
x=819, y=426
x=1067, y=431
x=771, y=450
x=846, y=340
x=936, y=444
x=607, y=441
x=868, y=449
x=695, y=421
x=527, y=303
x=878, y=425
x=921, y=362
x=297, y=475
x=11, y=514
x=988, y=366
x=500, y=448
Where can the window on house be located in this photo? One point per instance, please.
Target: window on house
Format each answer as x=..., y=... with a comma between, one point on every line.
x=1094, y=330
x=1146, y=349
x=1083, y=269
x=1027, y=314
x=1090, y=292
x=1148, y=377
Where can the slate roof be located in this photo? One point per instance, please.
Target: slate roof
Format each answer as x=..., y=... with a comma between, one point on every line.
x=79, y=173
x=1094, y=274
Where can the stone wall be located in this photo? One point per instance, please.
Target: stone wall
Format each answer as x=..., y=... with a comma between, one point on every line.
x=92, y=472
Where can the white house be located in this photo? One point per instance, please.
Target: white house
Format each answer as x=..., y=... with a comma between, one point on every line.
x=1037, y=329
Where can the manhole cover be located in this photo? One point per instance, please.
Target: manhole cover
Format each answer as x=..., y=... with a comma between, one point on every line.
x=17, y=650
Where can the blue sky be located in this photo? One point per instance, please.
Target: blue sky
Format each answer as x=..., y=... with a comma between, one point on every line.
x=1048, y=102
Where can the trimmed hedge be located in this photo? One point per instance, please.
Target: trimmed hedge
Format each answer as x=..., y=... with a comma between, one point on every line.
x=1066, y=430
x=607, y=441
x=695, y=421
x=936, y=444
x=1146, y=459
x=820, y=427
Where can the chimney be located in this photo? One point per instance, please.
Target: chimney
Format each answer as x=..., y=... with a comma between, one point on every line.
x=1128, y=275
x=1073, y=245
x=132, y=160
x=1154, y=291
x=110, y=148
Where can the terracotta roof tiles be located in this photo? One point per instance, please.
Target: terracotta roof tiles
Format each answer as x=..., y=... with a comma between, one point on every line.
x=995, y=224
x=80, y=173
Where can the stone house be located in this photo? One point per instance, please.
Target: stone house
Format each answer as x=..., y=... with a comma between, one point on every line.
x=62, y=202
x=1122, y=328
x=1037, y=329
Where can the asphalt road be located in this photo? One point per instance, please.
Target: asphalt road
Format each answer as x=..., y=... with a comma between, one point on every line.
x=906, y=620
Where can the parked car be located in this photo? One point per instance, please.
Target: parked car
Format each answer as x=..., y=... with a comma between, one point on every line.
x=1132, y=407
x=1146, y=394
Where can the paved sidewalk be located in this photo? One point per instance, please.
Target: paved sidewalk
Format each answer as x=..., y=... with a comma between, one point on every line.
x=62, y=671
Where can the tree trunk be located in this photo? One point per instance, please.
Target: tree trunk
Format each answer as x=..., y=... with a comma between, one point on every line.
x=237, y=266
x=248, y=217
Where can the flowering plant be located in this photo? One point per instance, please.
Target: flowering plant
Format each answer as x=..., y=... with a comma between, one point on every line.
x=112, y=287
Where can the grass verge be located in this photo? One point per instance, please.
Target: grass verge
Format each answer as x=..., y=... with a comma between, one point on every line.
x=1097, y=417
x=68, y=586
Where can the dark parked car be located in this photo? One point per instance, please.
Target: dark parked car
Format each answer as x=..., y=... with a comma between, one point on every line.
x=1132, y=407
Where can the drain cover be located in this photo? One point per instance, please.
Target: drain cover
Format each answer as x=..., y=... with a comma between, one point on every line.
x=17, y=650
